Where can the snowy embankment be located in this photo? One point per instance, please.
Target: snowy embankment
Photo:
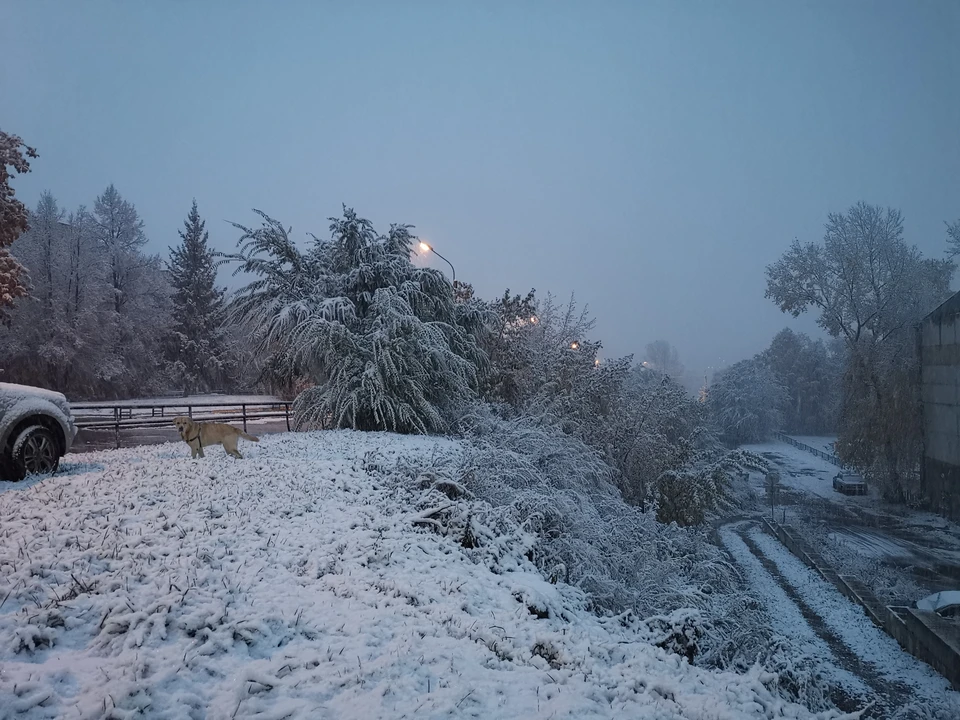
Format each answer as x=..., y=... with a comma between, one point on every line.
x=299, y=583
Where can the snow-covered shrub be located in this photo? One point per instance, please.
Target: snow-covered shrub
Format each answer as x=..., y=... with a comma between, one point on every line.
x=561, y=493
x=384, y=344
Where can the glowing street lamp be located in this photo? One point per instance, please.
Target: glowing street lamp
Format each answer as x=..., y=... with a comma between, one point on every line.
x=428, y=249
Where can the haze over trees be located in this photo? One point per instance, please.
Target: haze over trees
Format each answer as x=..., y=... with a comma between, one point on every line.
x=869, y=288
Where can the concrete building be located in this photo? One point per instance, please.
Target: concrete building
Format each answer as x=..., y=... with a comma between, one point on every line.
x=939, y=339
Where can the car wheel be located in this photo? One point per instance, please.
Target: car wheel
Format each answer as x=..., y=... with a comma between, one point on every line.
x=35, y=452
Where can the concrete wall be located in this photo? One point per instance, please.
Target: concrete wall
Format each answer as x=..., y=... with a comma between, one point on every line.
x=939, y=340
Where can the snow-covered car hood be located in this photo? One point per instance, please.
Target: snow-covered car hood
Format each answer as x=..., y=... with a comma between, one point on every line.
x=941, y=601
x=21, y=391
x=11, y=393
x=15, y=399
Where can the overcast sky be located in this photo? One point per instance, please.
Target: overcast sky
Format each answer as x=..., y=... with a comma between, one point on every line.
x=653, y=157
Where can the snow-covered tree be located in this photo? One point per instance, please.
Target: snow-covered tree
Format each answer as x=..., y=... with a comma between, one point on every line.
x=378, y=338
x=199, y=355
x=13, y=220
x=68, y=335
x=657, y=429
x=139, y=298
x=663, y=357
x=810, y=372
x=746, y=402
x=953, y=238
x=510, y=350
x=870, y=288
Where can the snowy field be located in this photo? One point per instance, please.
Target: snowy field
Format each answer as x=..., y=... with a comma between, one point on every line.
x=303, y=582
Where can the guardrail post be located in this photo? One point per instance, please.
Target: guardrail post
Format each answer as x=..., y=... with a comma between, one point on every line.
x=286, y=414
x=189, y=411
x=243, y=409
x=116, y=420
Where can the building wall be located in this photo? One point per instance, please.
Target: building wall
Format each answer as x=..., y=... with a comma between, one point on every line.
x=940, y=391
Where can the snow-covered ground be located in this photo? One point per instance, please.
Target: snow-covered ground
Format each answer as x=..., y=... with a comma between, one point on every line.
x=898, y=681
x=862, y=525
x=803, y=471
x=300, y=582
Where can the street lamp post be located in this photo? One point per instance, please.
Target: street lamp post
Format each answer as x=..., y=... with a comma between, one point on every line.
x=427, y=248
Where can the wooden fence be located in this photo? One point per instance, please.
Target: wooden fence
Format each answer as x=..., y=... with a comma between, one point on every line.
x=104, y=416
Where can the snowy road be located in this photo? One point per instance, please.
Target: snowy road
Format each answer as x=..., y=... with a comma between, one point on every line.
x=925, y=548
x=849, y=649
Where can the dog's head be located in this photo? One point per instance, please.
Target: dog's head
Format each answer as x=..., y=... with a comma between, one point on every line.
x=183, y=423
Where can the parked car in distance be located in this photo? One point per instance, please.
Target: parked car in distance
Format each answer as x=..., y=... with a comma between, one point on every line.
x=945, y=604
x=36, y=430
x=849, y=483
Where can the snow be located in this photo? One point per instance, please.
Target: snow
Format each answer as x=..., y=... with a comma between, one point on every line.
x=14, y=390
x=295, y=584
x=853, y=626
x=785, y=616
x=939, y=601
x=803, y=471
x=20, y=401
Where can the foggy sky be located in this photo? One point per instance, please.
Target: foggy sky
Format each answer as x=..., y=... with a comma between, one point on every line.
x=653, y=157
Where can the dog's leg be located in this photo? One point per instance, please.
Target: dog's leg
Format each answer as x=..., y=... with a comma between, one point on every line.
x=230, y=445
x=200, y=450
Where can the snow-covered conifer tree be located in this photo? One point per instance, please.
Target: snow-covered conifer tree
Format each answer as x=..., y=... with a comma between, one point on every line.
x=198, y=353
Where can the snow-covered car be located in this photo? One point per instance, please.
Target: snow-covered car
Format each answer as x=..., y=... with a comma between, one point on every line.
x=945, y=603
x=36, y=430
x=849, y=483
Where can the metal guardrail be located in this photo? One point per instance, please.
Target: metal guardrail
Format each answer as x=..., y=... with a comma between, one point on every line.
x=100, y=416
x=829, y=457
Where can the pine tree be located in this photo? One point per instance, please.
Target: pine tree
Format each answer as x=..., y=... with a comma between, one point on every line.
x=199, y=358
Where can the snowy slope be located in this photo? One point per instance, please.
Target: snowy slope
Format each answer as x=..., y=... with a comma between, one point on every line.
x=296, y=584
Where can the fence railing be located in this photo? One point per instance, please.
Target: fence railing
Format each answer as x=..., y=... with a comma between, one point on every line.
x=829, y=457
x=100, y=416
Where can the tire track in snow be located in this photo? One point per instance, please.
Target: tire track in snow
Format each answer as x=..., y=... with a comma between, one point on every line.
x=787, y=617
x=854, y=629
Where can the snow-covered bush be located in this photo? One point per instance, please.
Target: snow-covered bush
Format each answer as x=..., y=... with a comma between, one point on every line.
x=384, y=344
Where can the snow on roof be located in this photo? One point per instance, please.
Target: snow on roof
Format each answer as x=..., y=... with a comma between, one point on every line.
x=295, y=584
x=939, y=600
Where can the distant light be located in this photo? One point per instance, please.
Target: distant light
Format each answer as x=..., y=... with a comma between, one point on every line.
x=574, y=345
x=425, y=247
x=596, y=362
x=534, y=319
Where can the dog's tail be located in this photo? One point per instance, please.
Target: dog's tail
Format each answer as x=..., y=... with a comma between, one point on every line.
x=251, y=438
